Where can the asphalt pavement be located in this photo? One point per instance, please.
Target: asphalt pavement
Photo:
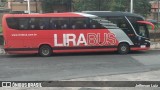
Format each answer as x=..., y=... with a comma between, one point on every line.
x=136, y=66
x=70, y=66
x=101, y=66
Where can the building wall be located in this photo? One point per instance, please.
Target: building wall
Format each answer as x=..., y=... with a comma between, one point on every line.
x=154, y=10
x=18, y=5
x=23, y=6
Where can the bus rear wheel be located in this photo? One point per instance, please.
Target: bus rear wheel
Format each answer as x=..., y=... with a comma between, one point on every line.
x=123, y=48
x=45, y=51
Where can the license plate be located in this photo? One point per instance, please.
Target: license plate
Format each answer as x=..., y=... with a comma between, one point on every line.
x=143, y=46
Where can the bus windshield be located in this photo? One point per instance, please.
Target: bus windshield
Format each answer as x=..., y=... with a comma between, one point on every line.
x=142, y=30
x=140, y=26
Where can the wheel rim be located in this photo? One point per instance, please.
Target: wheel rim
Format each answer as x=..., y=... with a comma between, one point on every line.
x=124, y=48
x=45, y=51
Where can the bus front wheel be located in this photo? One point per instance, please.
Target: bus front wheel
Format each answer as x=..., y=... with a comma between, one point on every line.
x=45, y=51
x=123, y=48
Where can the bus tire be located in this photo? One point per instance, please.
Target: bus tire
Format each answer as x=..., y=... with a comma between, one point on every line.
x=45, y=51
x=123, y=48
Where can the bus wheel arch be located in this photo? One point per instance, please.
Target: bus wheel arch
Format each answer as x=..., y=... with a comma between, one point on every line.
x=123, y=48
x=45, y=50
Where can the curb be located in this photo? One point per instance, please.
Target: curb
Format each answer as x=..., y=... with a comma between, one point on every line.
x=155, y=46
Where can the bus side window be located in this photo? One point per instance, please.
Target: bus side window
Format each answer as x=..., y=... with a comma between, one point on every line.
x=23, y=23
x=92, y=24
x=79, y=23
x=64, y=26
x=65, y=23
x=43, y=23
x=53, y=23
x=95, y=25
x=73, y=23
x=12, y=23
x=60, y=23
x=125, y=26
x=121, y=23
x=33, y=24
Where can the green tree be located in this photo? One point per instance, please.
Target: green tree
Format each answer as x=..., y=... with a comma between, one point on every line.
x=142, y=7
x=48, y=5
x=81, y=5
x=91, y=5
x=120, y=5
x=104, y=5
x=3, y=0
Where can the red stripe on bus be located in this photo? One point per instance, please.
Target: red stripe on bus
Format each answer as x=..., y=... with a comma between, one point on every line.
x=138, y=48
x=86, y=50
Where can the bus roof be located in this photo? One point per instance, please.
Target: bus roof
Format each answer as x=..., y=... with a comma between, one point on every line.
x=112, y=13
x=66, y=14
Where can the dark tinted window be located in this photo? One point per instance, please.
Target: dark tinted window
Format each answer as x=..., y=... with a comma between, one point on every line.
x=53, y=23
x=23, y=23
x=134, y=22
x=79, y=23
x=95, y=25
x=12, y=23
x=33, y=23
x=43, y=23
x=141, y=29
x=122, y=23
x=60, y=23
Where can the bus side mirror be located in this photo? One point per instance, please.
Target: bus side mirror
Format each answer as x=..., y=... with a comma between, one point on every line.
x=148, y=23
